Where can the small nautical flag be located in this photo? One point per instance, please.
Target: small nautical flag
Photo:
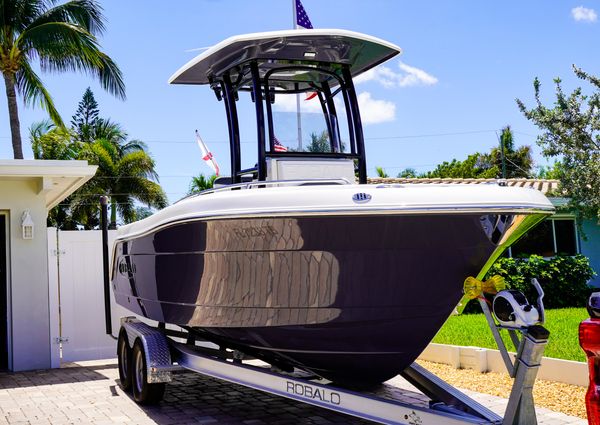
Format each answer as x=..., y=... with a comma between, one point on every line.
x=207, y=155
x=278, y=146
x=301, y=16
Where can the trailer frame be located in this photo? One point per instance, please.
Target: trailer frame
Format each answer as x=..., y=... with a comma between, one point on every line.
x=166, y=352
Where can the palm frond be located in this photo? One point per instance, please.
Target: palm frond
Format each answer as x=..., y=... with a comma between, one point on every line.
x=39, y=128
x=108, y=130
x=145, y=191
x=68, y=47
x=134, y=145
x=138, y=164
x=33, y=91
x=84, y=13
x=16, y=15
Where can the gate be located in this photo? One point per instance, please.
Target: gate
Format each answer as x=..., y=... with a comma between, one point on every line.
x=77, y=297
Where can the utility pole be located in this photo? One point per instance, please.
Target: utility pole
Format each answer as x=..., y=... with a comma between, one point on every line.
x=501, y=139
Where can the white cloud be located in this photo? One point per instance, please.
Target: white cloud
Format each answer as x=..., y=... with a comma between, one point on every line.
x=584, y=14
x=373, y=111
x=388, y=78
x=287, y=103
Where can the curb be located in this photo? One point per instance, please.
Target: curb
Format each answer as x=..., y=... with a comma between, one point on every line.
x=489, y=360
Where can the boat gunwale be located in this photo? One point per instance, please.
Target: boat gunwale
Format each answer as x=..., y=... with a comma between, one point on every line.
x=455, y=210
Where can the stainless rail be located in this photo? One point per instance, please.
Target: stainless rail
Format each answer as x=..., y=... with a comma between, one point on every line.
x=261, y=184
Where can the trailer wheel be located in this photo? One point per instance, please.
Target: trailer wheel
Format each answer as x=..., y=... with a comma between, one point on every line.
x=143, y=392
x=124, y=359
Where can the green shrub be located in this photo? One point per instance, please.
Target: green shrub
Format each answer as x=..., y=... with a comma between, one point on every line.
x=563, y=278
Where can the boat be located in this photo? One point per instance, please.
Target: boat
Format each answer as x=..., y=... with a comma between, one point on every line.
x=296, y=260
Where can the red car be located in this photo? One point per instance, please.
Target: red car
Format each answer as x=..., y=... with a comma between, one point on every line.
x=589, y=339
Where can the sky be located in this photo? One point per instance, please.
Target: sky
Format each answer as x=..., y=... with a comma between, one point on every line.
x=448, y=95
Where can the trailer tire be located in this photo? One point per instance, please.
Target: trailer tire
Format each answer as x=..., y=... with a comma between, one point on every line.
x=124, y=360
x=143, y=392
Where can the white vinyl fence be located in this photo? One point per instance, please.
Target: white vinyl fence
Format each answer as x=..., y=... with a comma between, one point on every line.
x=77, y=297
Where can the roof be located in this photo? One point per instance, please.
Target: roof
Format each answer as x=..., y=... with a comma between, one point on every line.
x=56, y=179
x=360, y=51
x=543, y=185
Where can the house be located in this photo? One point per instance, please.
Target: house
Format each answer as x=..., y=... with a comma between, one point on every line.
x=557, y=234
x=28, y=190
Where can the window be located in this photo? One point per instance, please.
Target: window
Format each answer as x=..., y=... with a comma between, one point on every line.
x=549, y=238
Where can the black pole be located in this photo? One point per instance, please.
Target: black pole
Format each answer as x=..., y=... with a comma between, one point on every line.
x=104, y=222
x=260, y=121
x=502, y=155
x=234, y=131
x=360, y=141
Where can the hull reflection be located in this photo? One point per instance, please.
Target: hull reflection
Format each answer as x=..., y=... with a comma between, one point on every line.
x=338, y=295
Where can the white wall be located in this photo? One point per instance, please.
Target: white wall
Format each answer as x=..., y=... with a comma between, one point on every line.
x=28, y=277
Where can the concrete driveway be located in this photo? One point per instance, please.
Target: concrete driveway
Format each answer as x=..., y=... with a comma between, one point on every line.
x=88, y=392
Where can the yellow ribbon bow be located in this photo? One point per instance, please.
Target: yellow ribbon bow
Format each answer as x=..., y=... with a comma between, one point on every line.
x=474, y=288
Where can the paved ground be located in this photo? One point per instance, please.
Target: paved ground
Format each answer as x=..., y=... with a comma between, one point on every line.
x=89, y=393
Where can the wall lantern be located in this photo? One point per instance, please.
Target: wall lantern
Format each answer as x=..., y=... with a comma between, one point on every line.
x=27, y=225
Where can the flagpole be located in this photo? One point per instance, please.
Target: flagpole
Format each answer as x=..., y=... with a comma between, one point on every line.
x=298, y=115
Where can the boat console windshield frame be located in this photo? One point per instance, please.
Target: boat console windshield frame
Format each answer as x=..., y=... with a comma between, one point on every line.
x=267, y=65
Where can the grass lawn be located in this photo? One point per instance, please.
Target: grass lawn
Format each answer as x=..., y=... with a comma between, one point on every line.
x=563, y=324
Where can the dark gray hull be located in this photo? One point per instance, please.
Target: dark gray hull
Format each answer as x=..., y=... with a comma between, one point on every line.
x=348, y=297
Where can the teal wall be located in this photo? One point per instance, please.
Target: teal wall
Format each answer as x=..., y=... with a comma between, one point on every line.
x=591, y=247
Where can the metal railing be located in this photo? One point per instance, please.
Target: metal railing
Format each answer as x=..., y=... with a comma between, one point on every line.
x=262, y=184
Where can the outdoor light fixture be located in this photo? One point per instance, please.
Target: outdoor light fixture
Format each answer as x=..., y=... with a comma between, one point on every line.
x=27, y=225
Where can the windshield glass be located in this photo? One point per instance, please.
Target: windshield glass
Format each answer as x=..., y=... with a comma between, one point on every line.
x=309, y=122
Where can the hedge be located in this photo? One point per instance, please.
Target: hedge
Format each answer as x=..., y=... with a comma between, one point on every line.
x=563, y=278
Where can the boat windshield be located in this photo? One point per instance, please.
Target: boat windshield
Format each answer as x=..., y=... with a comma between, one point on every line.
x=300, y=125
x=310, y=121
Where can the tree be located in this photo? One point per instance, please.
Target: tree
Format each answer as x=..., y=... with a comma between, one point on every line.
x=571, y=133
x=200, y=183
x=552, y=172
x=381, y=172
x=517, y=163
x=476, y=166
x=142, y=212
x=319, y=143
x=126, y=173
x=408, y=173
x=62, y=38
x=125, y=176
x=86, y=116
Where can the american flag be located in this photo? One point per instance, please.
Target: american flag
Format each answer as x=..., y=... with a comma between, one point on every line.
x=301, y=16
x=278, y=146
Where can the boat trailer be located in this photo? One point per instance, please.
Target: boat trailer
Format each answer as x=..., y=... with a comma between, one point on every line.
x=148, y=356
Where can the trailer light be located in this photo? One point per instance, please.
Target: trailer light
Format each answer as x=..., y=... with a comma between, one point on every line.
x=589, y=339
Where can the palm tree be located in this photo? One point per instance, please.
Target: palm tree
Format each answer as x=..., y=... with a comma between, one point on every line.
x=514, y=163
x=381, y=172
x=124, y=176
x=63, y=38
x=200, y=183
x=126, y=173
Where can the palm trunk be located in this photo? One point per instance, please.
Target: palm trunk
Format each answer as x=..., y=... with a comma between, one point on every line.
x=13, y=112
x=113, y=215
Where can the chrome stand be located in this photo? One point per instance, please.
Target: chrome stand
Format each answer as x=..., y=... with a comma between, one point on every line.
x=530, y=349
